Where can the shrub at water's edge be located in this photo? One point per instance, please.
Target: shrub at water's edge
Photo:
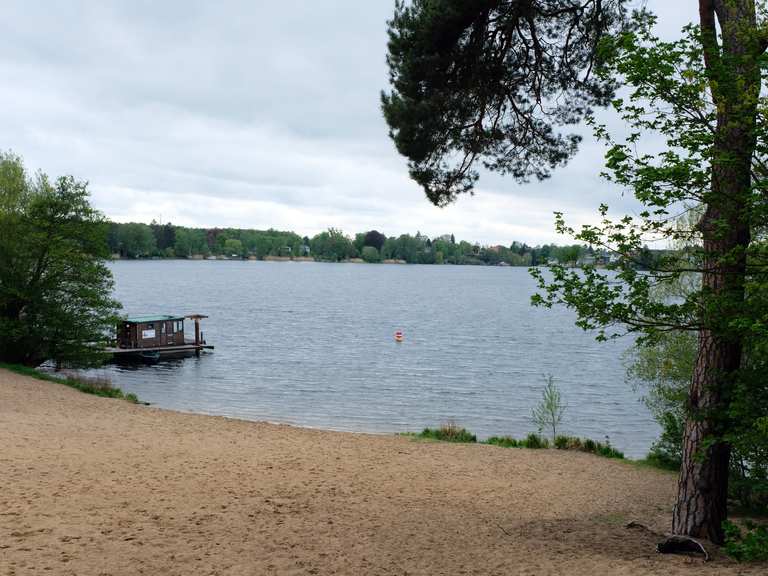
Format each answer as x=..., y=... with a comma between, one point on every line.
x=98, y=386
x=561, y=443
x=454, y=433
x=55, y=287
x=447, y=433
x=504, y=442
x=595, y=447
x=533, y=441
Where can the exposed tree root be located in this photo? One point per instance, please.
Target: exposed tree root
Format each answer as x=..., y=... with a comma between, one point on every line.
x=678, y=544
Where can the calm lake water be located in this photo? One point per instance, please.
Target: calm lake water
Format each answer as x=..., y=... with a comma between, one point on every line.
x=312, y=345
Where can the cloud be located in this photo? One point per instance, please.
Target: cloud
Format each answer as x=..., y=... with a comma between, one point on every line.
x=248, y=114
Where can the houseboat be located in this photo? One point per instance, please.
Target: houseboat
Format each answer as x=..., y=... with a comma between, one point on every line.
x=150, y=338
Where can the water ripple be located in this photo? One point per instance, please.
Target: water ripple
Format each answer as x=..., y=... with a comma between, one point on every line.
x=313, y=345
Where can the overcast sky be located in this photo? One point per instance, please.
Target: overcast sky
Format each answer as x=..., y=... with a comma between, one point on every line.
x=249, y=114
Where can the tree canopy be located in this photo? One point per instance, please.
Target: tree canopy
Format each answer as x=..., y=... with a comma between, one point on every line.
x=55, y=289
x=487, y=80
x=493, y=81
x=136, y=240
x=701, y=95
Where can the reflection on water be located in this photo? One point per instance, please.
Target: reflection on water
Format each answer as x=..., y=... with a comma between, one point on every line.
x=313, y=345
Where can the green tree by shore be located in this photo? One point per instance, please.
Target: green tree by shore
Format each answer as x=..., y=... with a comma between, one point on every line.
x=494, y=83
x=133, y=240
x=55, y=288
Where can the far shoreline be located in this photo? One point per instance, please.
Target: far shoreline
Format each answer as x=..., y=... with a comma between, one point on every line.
x=309, y=260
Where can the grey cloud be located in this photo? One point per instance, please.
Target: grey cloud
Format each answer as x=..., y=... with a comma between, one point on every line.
x=247, y=114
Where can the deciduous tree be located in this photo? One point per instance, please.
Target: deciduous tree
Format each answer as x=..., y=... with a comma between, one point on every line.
x=374, y=238
x=55, y=288
x=492, y=81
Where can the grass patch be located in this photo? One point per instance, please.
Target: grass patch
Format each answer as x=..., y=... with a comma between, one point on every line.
x=536, y=441
x=654, y=460
x=454, y=433
x=603, y=449
x=533, y=441
x=504, y=442
x=649, y=464
x=446, y=433
x=96, y=385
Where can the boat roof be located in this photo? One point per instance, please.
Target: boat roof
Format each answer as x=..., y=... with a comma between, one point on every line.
x=153, y=318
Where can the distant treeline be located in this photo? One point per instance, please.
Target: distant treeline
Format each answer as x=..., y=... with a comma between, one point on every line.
x=135, y=240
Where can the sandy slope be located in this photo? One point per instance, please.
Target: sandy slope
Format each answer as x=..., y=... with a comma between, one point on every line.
x=92, y=486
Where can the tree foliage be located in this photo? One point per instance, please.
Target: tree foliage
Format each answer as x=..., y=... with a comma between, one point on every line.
x=55, y=289
x=702, y=99
x=454, y=101
x=492, y=81
x=370, y=254
x=233, y=247
x=548, y=414
x=374, y=238
x=663, y=367
x=135, y=240
x=333, y=245
x=165, y=236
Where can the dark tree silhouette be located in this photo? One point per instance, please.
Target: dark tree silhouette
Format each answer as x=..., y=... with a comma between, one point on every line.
x=492, y=81
x=374, y=238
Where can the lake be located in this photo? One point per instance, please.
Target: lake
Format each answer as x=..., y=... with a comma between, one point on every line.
x=313, y=344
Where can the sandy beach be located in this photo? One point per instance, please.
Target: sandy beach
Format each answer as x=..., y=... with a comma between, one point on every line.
x=94, y=486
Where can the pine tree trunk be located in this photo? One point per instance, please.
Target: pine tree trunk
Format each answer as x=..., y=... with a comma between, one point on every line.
x=703, y=483
x=701, y=504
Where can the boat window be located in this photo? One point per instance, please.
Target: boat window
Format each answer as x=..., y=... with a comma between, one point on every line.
x=180, y=326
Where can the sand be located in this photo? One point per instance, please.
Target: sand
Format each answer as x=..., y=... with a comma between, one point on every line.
x=93, y=486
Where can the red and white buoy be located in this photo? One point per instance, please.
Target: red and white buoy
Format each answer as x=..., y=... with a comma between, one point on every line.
x=398, y=336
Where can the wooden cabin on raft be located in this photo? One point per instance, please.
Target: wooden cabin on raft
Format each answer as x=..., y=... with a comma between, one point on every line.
x=153, y=337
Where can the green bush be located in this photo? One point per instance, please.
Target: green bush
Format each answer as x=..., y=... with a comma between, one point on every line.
x=448, y=433
x=608, y=451
x=535, y=441
x=748, y=546
x=574, y=443
x=370, y=254
x=454, y=433
x=504, y=442
x=587, y=445
x=662, y=460
x=667, y=450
